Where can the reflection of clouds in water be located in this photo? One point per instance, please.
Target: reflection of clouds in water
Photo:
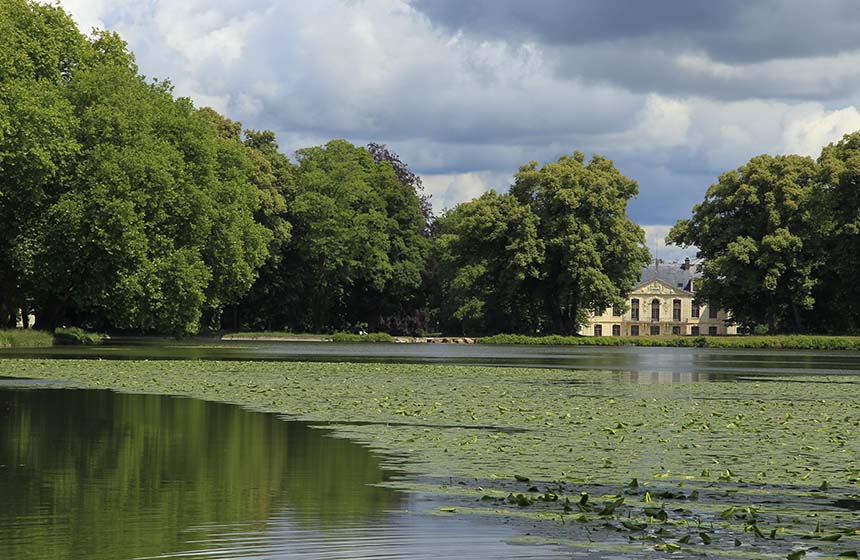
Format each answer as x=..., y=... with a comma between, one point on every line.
x=395, y=535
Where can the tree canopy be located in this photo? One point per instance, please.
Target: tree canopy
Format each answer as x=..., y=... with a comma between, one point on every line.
x=780, y=240
x=756, y=231
x=357, y=249
x=126, y=207
x=538, y=259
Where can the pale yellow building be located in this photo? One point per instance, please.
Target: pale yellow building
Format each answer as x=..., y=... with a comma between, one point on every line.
x=662, y=303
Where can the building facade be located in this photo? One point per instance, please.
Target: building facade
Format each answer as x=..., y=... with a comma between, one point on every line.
x=662, y=303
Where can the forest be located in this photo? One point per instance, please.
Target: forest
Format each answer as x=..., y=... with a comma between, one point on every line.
x=125, y=208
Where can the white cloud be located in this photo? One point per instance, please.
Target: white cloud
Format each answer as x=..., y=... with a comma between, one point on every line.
x=87, y=13
x=448, y=190
x=807, y=134
x=465, y=109
x=655, y=238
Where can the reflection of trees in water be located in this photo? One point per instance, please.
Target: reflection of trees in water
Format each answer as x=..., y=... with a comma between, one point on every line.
x=94, y=474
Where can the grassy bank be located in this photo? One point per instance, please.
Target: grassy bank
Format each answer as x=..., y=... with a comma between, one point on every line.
x=726, y=468
x=800, y=342
x=336, y=337
x=275, y=335
x=370, y=337
x=25, y=338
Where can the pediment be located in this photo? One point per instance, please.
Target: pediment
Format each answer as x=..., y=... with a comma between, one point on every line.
x=658, y=287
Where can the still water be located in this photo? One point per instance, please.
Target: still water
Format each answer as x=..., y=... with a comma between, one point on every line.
x=632, y=364
x=101, y=475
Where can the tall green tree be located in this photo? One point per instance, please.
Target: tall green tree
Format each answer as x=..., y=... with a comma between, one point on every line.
x=126, y=208
x=540, y=258
x=40, y=51
x=357, y=249
x=489, y=265
x=759, y=236
x=838, y=291
x=594, y=252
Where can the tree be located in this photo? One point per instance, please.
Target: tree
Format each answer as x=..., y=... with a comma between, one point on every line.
x=838, y=291
x=125, y=207
x=490, y=258
x=407, y=178
x=594, y=253
x=539, y=258
x=757, y=232
x=356, y=251
x=40, y=49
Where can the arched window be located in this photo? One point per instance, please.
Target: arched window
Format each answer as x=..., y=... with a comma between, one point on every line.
x=655, y=310
x=634, y=309
x=598, y=330
x=676, y=310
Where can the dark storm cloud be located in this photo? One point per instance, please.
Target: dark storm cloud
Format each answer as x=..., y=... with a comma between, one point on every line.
x=735, y=31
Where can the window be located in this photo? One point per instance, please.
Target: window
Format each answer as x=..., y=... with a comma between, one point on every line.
x=598, y=330
x=712, y=331
x=634, y=330
x=616, y=311
x=694, y=331
x=655, y=310
x=676, y=330
x=655, y=330
x=676, y=310
x=712, y=310
x=694, y=312
x=634, y=310
x=616, y=330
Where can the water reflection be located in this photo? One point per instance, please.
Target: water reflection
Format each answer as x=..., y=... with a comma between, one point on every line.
x=94, y=474
x=673, y=364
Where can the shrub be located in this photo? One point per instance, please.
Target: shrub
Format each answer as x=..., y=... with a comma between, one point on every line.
x=372, y=337
x=25, y=338
x=76, y=335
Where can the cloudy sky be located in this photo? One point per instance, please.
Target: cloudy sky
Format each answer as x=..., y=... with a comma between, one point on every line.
x=674, y=91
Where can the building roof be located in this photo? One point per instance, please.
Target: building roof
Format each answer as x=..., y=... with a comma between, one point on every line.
x=676, y=274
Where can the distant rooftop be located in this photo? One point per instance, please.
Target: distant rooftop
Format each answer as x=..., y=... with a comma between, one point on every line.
x=676, y=274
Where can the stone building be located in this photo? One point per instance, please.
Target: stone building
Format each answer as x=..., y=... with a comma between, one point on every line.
x=662, y=303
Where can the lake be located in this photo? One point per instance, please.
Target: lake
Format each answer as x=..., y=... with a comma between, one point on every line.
x=98, y=474
x=633, y=364
x=95, y=475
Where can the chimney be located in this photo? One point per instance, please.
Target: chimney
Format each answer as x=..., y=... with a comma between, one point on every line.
x=686, y=265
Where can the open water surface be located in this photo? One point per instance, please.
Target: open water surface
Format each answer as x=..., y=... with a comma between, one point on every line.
x=632, y=364
x=101, y=475
x=95, y=475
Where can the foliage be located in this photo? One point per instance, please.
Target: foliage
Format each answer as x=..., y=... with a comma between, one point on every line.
x=594, y=253
x=125, y=207
x=407, y=177
x=24, y=338
x=559, y=245
x=357, y=251
x=369, y=337
x=489, y=257
x=838, y=291
x=756, y=230
x=76, y=335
